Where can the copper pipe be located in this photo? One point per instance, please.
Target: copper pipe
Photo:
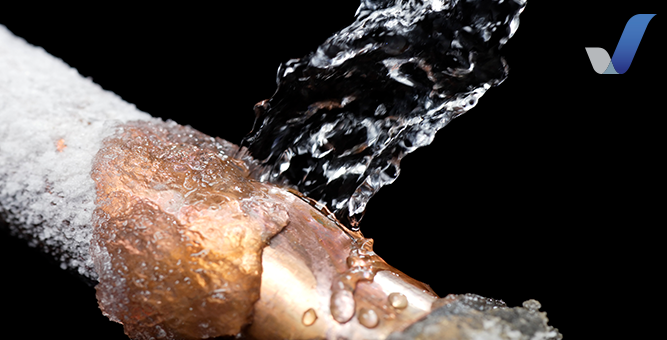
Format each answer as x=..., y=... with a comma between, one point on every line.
x=304, y=265
x=177, y=236
x=301, y=265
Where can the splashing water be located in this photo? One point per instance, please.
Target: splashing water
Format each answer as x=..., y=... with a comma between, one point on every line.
x=344, y=116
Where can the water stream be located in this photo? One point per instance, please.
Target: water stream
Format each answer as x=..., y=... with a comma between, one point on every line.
x=344, y=116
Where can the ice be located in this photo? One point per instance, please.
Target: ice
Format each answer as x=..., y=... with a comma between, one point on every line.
x=52, y=122
x=345, y=115
x=470, y=316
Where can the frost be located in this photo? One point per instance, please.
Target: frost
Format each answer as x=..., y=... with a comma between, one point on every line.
x=52, y=122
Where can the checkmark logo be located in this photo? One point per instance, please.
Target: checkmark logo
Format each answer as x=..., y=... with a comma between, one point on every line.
x=625, y=50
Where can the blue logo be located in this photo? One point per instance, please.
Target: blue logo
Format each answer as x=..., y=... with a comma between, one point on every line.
x=625, y=50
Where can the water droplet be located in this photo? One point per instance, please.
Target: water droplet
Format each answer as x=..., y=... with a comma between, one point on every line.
x=358, y=261
x=368, y=318
x=309, y=317
x=161, y=334
x=342, y=306
x=532, y=305
x=398, y=300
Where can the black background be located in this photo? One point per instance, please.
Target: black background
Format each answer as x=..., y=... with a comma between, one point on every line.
x=549, y=189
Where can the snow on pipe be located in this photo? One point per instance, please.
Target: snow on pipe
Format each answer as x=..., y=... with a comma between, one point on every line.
x=53, y=124
x=154, y=211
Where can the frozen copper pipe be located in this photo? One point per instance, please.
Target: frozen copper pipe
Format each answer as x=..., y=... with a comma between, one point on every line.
x=308, y=256
x=53, y=124
x=178, y=244
x=299, y=268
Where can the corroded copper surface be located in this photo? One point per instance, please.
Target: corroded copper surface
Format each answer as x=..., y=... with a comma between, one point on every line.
x=179, y=232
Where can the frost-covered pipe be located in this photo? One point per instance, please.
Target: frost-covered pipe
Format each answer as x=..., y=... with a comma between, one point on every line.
x=88, y=178
x=52, y=123
x=169, y=224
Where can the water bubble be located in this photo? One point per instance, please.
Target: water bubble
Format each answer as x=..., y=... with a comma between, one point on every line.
x=309, y=317
x=342, y=306
x=398, y=300
x=368, y=318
